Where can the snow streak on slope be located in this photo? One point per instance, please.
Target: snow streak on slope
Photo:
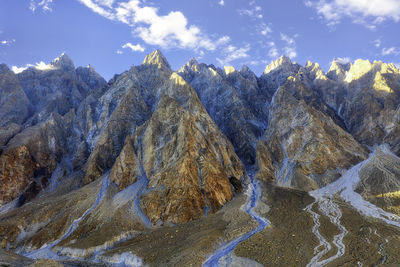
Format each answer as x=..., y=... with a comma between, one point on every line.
x=45, y=251
x=225, y=251
x=344, y=187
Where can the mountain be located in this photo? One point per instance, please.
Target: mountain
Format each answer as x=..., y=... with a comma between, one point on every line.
x=200, y=166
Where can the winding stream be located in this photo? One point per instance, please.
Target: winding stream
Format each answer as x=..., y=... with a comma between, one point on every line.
x=226, y=249
x=324, y=197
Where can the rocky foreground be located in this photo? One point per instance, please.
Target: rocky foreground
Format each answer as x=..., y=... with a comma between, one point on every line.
x=200, y=166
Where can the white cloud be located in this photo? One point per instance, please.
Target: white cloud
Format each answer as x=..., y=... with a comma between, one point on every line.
x=7, y=42
x=135, y=48
x=273, y=50
x=119, y=52
x=342, y=60
x=166, y=31
x=45, y=5
x=369, y=13
x=377, y=43
x=290, y=47
x=232, y=53
x=265, y=29
x=39, y=66
x=254, y=11
x=390, y=51
x=221, y=3
x=17, y=70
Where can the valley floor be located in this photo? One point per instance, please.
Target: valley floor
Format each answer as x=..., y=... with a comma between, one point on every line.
x=289, y=239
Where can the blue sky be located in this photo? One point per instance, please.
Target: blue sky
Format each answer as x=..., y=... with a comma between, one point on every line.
x=113, y=35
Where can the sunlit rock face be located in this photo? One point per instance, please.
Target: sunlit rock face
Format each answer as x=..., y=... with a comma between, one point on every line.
x=151, y=123
x=371, y=99
x=276, y=74
x=380, y=180
x=234, y=101
x=303, y=147
x=189, y=163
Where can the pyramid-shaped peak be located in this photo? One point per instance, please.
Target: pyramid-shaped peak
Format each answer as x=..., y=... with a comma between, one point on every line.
x=245, y=68
x=156, y=58
x=312, y=65
x=64, y=62
x=282, y=62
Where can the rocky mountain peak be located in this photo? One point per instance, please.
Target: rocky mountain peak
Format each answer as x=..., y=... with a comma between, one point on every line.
x=338, y=70
x=192, y=64
x=3, y=68
x=248, y=73
x=229, y=69
x=358, y=69
x=156, y=58
x=283, y=63
x=314, y=71
x=64, y=62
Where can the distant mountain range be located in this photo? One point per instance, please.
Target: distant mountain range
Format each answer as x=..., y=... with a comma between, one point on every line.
x=202, y=166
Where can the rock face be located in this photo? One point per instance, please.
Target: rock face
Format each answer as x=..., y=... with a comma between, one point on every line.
x=380, y=180
x=32, y=146
x=371, y=100
x=187, y=160
x=303, y=148
x=234, y=101
x=14, y=105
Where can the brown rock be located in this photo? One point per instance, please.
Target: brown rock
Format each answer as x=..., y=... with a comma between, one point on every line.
x=125, y=170
x=304, y=145
x=187, y=160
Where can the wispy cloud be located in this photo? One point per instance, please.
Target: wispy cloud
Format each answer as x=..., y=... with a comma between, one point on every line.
x=290, y=45
x=45, y=5
x=7, y=42
x=135, y=48
x=265, y=29
x=167, y=31
x=390, y=51
x=369, y=13
x=342, y=60
x=377, y=43
x=232, y=53
x=273, y=50
x=253, y=11
x=221, y=3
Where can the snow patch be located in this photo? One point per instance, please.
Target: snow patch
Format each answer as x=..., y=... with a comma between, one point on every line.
x=125, y=259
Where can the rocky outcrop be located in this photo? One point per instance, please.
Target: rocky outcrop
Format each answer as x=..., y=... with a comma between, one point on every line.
x=233, y=101
x=33, y=146
x=125, y=170
x=57, y=87
x=380, y=180
x=29, y=159
x=187, y=160
x=371, y=99
x=302, y=147
x=14, y=105
x=159, y=128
